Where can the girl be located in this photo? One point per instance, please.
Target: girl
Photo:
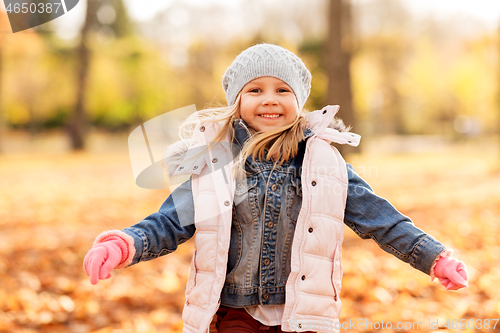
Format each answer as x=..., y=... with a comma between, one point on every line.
x=270, y=223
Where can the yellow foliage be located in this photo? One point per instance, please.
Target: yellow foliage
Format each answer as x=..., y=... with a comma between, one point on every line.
x=18, y=114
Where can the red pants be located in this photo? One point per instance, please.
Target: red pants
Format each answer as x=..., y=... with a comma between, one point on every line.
x=230, y=320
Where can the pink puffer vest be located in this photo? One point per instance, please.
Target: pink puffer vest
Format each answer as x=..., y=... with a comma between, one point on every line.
x=312, y=289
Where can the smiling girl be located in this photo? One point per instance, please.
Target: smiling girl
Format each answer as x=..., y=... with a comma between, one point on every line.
x=268, y=244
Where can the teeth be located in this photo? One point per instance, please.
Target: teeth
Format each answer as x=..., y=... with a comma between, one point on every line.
x=270, y=115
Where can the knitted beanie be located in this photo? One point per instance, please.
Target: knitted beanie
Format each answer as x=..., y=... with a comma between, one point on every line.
x=267, y=60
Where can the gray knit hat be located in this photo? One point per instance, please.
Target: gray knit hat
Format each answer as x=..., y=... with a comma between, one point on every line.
x=267, y=60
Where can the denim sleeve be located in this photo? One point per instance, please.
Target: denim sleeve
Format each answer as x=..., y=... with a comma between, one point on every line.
x=160, y=233
x=371, y=216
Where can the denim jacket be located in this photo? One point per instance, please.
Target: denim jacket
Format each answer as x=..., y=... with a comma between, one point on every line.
x=270, y=215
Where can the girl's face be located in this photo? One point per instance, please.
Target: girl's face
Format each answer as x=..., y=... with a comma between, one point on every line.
x=267, y=103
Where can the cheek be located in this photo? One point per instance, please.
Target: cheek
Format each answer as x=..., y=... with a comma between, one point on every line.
x=246, y=109
x=292, y=106
x=293, y=110
x=244, y=114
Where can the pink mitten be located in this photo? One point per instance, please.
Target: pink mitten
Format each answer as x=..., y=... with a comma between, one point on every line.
x=452, y=273
x=103, y=258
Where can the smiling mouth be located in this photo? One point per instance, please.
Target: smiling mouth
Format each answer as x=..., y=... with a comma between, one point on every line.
x=270, y=116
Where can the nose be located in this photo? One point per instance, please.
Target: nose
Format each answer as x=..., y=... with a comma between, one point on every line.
x=269, y=99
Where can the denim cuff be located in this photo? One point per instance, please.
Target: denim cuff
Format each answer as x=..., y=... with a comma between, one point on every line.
x=140, y=243
x=425, y=253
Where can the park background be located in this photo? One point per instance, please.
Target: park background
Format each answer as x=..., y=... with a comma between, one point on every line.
x=419, y=82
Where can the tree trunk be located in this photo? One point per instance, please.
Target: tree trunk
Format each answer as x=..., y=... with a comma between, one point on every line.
x=77, y=126
x=337, y=60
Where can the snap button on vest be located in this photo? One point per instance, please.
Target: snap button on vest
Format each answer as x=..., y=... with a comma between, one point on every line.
x=267, y=261
x=270, y=224
x=215, y=160
x=226, y=203
x=313, y=183
x=266, y=296
x=274, y=187
x=310, y=230
x=324, y=111
x=195, y=167
x=303, y=277
x=202, y=129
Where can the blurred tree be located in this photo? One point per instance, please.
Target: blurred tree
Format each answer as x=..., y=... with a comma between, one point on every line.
x=338, y=54
x=390, y=55
x=77, y=123
x=385, y=27
x=407, y=76
x=111, y=20
x=119, y=22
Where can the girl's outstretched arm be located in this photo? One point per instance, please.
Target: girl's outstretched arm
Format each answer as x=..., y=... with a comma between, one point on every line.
x=158, y=234
x=371, y=216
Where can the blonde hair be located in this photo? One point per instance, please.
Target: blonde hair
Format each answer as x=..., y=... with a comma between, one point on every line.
x=225, y=114
x=282, y=142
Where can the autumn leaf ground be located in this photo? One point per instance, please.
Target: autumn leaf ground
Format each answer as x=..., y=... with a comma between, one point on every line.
x=53, y=205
